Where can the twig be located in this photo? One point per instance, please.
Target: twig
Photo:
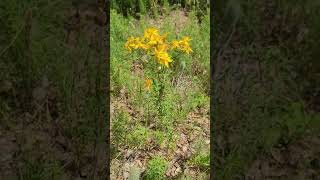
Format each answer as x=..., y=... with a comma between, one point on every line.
x=13, y=40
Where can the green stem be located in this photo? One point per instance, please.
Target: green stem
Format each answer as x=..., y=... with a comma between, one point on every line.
x=148, y=112
x=160, y=93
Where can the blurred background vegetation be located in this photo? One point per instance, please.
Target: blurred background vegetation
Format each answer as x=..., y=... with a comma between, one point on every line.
x=136, y=7
x=52, y=90
x=266, y=89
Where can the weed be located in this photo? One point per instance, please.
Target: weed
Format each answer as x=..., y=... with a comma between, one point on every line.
x=139, y=137
x=118, y=128
x=156, y=168
x=159, y=137
x=201, y=160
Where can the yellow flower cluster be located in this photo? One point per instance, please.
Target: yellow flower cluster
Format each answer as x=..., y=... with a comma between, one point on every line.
x=183, y=45
x=134, y=43
x=155, y=43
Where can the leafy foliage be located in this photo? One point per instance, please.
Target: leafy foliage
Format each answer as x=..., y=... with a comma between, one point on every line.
x=156, y=168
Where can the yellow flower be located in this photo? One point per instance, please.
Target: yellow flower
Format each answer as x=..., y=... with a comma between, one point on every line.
x=147, y=84
x=129, y=44
x=152, y=43
x=162, y=47
x=145, y=47
x=186, y=48
x=175, y=44
x=155, y=43
x=182, y=44
x=150, y=33
x=153, y=37
x=135, y=43
x=186, y=39
x=162, y=39
x=163, y=57
x=139, y=43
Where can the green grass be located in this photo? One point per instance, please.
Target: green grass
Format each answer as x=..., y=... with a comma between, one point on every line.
x=139, y=137
x=156, y=168
x=201, y=160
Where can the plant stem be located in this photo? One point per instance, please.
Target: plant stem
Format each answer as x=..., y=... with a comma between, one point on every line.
x=160, y=95
x=148, y=112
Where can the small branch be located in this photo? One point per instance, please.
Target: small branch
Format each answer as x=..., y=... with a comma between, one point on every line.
x=13, y=40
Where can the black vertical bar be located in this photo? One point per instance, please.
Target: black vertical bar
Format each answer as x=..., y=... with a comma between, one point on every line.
x=107, y=10
x=212, y=71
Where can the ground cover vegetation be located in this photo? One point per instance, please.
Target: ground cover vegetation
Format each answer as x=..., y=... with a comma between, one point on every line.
x=159, y=92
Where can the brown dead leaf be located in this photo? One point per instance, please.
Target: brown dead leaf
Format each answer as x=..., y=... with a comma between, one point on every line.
x=174, y=169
